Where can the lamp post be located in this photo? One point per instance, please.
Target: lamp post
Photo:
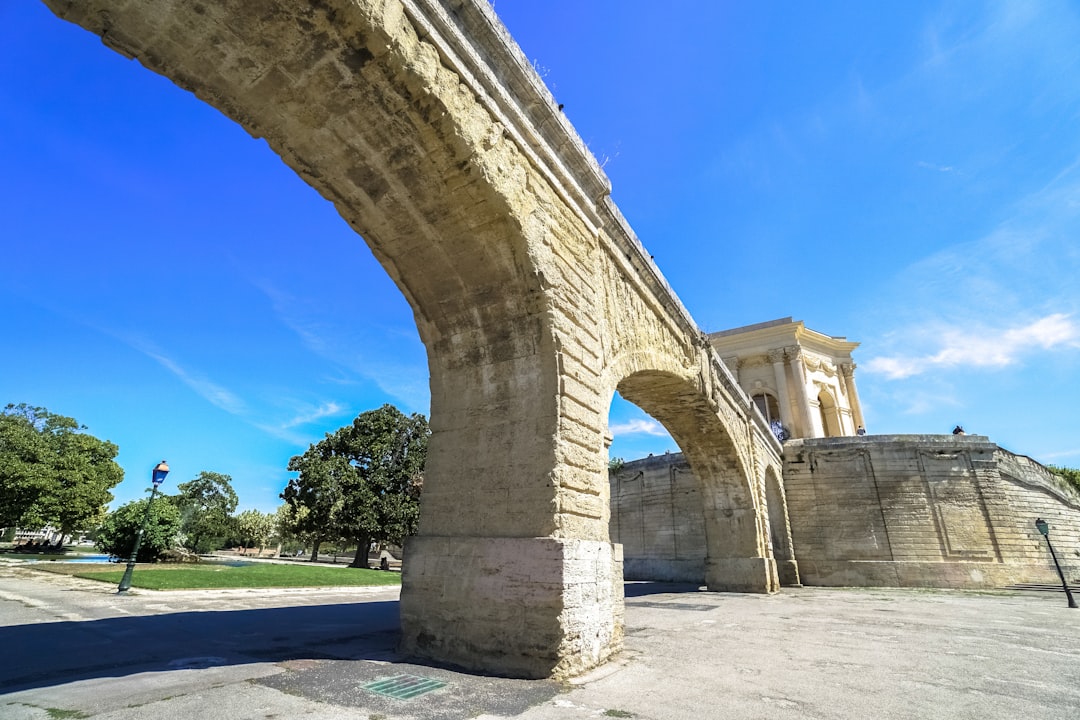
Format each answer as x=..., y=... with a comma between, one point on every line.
x=1044, y=528
x=157, y=478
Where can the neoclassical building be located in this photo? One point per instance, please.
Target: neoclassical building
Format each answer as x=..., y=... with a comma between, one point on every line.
x=797, y=376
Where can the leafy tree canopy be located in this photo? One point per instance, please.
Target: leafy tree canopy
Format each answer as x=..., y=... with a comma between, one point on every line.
x=52, y=473
x=206, y=505
x=116, y=535
x=254, y=528
x=363, y=482
x=316, y=498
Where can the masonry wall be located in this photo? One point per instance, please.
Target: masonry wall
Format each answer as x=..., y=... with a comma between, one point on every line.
x=878, y=510
x=925, y=510
x=656, y=516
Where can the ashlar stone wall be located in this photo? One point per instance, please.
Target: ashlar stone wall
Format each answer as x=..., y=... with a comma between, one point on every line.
x=657, y=519
x=878, y=510
x=925, y=510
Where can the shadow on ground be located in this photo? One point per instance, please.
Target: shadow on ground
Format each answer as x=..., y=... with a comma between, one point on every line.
x=643, y=588
x=50, y=654
x=47, y=654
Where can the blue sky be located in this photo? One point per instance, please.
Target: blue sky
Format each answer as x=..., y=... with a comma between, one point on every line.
x=906, y=174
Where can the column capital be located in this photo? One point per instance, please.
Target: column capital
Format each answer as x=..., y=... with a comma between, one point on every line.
x=777, y=356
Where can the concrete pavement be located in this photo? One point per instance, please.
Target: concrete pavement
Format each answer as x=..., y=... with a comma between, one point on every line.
x=73, y=648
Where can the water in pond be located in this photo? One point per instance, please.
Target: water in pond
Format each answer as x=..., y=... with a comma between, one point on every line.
x=73, y=558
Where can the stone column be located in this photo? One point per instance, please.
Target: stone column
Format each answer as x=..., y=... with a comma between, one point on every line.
x=847, y=372
x=777, y=358
x=794, y=352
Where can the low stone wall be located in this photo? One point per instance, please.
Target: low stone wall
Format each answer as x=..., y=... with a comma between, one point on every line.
x=925, y=510
x=877, y=510
x=656, y=516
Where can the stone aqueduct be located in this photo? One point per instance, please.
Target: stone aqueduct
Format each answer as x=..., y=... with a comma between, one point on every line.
x=427, y=128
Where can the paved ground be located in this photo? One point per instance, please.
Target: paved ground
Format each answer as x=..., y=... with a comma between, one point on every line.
x=71, y=648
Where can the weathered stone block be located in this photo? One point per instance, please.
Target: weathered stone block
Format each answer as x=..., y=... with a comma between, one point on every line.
x=750, y=575
x=526, y=607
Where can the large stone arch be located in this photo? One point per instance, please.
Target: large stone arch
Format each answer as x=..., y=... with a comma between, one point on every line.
x=738, y=557
x=481, y=205
x=434, y=138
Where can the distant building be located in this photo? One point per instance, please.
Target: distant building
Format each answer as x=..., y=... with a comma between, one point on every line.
x=799, y=377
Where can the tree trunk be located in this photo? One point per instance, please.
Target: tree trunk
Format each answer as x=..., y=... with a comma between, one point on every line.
x=363, y=547
x=315, y=551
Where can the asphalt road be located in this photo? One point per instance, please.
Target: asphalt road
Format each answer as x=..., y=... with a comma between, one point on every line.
x=73, y=648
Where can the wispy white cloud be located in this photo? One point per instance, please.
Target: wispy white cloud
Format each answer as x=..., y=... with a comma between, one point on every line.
x=1058, y=454
x=221, y=397
x=210, y=391
x=988, y=348
x=939, y=168
x=293, y=430
x=327, y=409
x=403, y=378
x=927, y=396
x=638, y=426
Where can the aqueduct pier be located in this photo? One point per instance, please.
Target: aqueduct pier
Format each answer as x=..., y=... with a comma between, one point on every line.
x=436, y=141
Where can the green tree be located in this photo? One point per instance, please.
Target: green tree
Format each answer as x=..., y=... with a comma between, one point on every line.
x=206, y=505
x=388, y=450
x=1069, y=475
x=116, y=535
x=290, y=523
x=254, y=528
x=52, y=473
x=25, y=471
x=316, y=497
x=363, y=482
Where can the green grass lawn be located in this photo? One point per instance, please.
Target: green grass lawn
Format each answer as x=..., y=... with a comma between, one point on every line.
x=211, y=575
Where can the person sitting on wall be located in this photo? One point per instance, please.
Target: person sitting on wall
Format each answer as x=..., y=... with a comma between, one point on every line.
x=861, y=431
x=958, y=430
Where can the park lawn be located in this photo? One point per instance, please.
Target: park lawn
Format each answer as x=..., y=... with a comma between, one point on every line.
x=255, y=575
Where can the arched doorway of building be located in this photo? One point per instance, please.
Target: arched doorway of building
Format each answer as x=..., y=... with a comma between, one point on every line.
x=830, y=415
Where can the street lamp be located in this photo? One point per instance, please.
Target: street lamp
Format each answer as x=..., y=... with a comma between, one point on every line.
x=1045, y=530
x=157, y=478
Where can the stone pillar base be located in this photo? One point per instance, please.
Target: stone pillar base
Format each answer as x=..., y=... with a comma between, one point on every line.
x=749, y=575
x=517, y=607
x=788, y=572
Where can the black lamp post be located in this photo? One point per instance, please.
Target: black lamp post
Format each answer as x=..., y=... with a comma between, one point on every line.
x=1045, y=530
x=158, y=477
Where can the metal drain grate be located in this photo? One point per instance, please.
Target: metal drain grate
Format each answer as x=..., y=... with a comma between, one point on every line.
x=403, y=687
